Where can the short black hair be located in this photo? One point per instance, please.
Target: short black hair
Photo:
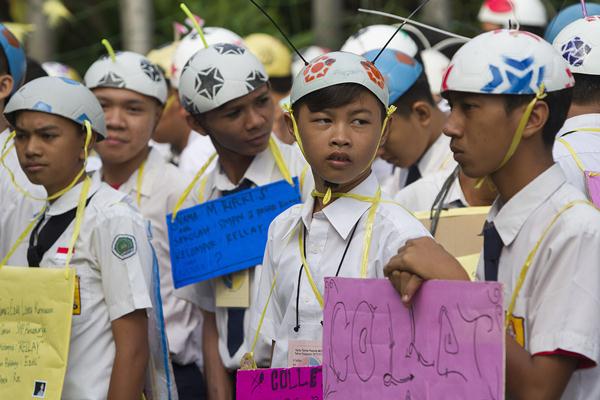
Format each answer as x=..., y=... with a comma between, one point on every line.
x=333, y=97
x=4, y=68
x=34, y=70
x=587, y=89
x=558, y=102
x=281, y=84
x=419, y=91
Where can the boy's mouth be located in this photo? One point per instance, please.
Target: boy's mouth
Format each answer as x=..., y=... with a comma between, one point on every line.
x=339, y=159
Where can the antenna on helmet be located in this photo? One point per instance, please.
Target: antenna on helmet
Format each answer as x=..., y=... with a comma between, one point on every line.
x=400, y=28
x=514, y=13
x=584, y=9
x=412, y=22
x=192, y=17
x=280, y=31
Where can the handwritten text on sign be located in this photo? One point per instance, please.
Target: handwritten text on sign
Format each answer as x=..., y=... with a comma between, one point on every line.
x=304, y=383
x=36, y=305
x=228, y=234
x=449, y=345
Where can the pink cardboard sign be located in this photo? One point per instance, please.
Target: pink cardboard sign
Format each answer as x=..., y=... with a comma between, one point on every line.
x=448, y=346
x=303, y=383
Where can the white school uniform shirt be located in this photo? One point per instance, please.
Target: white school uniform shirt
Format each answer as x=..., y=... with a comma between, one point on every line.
x=162, y=185
x=438, y=157
x=586, y=144
x=197, y=152
x=420, y=195
x=262, y=171
x=111, y=286
x=557, y=307
x=15, y=209
x=328, y=233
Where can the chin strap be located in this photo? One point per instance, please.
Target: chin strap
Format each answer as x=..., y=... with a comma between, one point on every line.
x=541, y=94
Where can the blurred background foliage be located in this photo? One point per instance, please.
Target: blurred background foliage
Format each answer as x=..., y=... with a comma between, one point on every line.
x=78, y=35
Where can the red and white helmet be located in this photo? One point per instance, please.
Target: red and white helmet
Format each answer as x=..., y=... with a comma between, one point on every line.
x=337, y=68
x=579, y=44
x=192, y=42
x=376, y=36
x=526, y=12
x=507, y=62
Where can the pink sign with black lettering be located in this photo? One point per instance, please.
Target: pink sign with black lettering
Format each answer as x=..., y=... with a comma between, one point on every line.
x=448, y=345
x=302, y=383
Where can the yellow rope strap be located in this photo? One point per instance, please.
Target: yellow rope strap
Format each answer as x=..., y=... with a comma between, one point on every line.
x=531, y=256
x=574, y=153
x=139, y=182
x=189, y=188
x=516, y=140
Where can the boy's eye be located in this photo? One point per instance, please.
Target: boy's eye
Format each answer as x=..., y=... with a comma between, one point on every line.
x=263, y=100
x=359, y=121
x=233, y=114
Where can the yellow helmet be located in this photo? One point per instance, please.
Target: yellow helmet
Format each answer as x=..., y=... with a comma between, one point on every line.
x=274, y=55
x=162, y=56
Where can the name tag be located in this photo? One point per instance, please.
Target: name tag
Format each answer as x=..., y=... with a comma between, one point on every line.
x=233, y=290
x=305, y=353
x=226, y=235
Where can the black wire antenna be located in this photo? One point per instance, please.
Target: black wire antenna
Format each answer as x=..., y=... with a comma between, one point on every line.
x=400, y=28
x=280, y=31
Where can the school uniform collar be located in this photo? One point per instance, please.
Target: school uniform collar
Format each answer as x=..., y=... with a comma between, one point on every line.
x=344, y=212
x=455, y=195
x=509, y=218
x=578, y=122
x=259, y=172
x=69, y=200
x=152, y=165
x=427, y=163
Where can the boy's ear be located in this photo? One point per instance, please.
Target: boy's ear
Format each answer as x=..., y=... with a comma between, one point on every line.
x=6, y=86
x=289, y=124
x=385, y=134
x=421, y=110
x=538, y=118
x=194, y=124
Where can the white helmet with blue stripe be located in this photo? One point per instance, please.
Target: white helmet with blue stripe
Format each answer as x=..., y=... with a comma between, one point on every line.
x=507, y=62
x=579, y=44
x=58, y=96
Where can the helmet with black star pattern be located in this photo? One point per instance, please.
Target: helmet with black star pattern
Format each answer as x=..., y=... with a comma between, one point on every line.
x=128, y=71
x=218, y=74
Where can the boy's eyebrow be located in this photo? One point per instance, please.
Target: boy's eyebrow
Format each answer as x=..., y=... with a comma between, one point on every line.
x=360, y=110
x=44, y=128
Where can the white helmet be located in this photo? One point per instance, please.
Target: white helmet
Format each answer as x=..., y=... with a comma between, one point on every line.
x=218, y=74
x=507, y=62
x=337, y=68
x=58, y=96
x=579, y=44
x=376, y=36
x=60, y=70
x=435, y=64
x=192, y=42
x=130, y=71
x=308, y=53
x=526, y=12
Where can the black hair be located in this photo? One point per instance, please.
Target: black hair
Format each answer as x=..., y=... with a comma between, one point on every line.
x=333, y=97
x=34, y=70
x=558, y=103
x=281, y=84
x=419, y=91
x=4, y=68
x=587, y=89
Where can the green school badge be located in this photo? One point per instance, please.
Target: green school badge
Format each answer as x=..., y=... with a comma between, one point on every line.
x=124, y=246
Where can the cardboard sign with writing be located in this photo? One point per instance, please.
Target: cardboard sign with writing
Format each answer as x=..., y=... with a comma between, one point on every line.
x=459, y=229
x=228, y=234
x=448, y=345
x=36, y=306
x=304, y=383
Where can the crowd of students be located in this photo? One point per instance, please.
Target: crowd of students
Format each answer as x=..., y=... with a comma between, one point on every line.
x=514, y=125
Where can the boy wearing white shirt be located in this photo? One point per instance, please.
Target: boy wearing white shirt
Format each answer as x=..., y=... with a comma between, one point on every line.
x=578, y=142
x=133, y=101
x=112, y=255
x=341, y=120
x=224, y=88
x=510, y=92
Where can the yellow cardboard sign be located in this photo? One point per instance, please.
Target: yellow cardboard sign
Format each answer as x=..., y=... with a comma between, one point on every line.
x=36, y=307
